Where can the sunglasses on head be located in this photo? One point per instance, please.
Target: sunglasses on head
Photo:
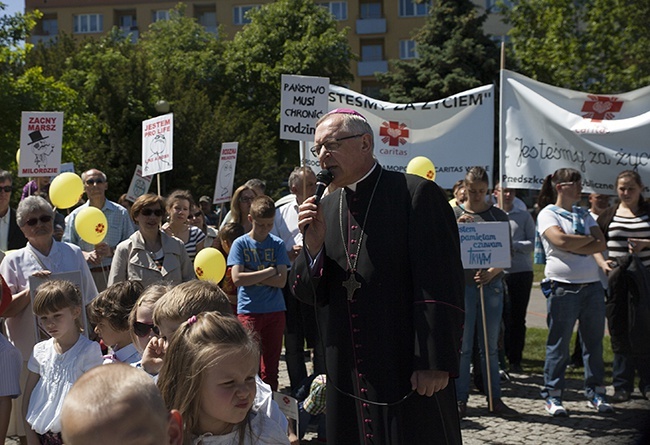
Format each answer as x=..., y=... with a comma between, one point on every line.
x=44, y=219
x=149, y=212
x=7, y=188
x=94, y=181
x=143, y=329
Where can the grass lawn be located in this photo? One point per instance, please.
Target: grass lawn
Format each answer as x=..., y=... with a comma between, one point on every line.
x=535, y=351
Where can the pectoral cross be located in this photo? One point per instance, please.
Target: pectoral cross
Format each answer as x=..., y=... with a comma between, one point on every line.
x=351, y=285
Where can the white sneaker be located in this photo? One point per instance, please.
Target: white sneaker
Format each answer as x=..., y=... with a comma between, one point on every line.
x=554, y=407
x=599, y=403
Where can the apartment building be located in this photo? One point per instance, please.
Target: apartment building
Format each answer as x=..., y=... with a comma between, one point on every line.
x=380, y=30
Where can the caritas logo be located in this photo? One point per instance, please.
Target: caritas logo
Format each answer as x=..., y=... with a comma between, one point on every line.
x=394, y=133
x=601, y=107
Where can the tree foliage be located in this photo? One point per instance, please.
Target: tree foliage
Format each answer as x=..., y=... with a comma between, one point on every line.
x=589, y=45
x=454, y=55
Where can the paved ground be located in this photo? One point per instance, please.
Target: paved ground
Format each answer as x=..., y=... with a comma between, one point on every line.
x=583, y=426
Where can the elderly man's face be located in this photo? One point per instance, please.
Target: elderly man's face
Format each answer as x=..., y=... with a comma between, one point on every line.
x=345, y=159
x=38, y=225
x=94, y=184
x=5, y=196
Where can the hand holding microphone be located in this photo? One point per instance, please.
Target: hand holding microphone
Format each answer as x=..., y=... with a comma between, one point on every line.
x=308, y=212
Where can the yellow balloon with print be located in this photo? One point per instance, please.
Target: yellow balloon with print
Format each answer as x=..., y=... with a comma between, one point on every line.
x=66, y=190
x=422, y=166
x=18, y=157
x=91, y=225
x=209, y=265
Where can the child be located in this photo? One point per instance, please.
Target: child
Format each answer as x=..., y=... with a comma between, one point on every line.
x=227, y=235
x=109, y=312
x=10, y=367
x=178, y=305
x=222, y=358
x=141, y=324
x=55, y=363
x=259, y=263
x=118, y=405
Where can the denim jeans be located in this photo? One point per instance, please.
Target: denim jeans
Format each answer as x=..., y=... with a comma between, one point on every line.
x=493, y=296
x=566, y=304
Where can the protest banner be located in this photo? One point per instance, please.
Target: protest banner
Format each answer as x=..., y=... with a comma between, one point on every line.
x=455, y=133
x=41, y=139
x=485, y=244
x=139, y=184
x=544, y=128
x=158, y=144
x=226, y=173
x=303, y=101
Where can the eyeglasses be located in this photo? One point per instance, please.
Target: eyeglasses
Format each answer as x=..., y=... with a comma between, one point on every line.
x=95, y=181
x=195, y=215
x=332, y=145
x=246, y=199
x=44, y=219
x=149, y=212
x=143, y=329
x=7, y=189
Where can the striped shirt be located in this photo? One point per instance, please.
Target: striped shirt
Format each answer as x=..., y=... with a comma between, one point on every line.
x=622, y=228
x=196, y=236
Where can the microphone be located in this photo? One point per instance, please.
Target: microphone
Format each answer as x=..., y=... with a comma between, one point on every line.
x=323, y=179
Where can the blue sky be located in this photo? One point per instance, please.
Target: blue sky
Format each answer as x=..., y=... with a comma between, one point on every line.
x=13, y=6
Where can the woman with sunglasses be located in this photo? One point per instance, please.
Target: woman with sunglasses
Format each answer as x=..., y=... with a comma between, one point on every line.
x=43, y=256
x=197, y=219
x=570, y=237
x=240, y=205
x=150, y=255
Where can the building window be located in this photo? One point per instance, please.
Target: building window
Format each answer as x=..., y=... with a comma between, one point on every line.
x=208, y=19
x=408, y=8
x=370, y=10
x=407, y=49
x=49, y=26
x=127, y=22
x=338, y=9
x=160, y=14
x=239, y=14
x=372, y=52
x=87, y=23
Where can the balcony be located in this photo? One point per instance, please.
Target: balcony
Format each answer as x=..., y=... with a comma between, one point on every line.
x=371, y=26
x=370, y=68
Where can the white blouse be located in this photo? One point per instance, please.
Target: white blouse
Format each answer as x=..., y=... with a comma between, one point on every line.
x=260, y=431
x=58, y=373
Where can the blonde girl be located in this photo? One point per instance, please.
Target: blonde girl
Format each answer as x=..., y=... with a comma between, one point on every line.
x=179, y=204
x=56, y=363
x=210, y=379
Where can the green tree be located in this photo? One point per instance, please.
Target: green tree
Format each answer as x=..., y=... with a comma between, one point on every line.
x=587, y=45
x=454, y=55
x=284, y=37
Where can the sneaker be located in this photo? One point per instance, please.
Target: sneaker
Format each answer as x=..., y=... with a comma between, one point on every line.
x=554, y=407
x=620, y=395
x=462, y=409
x=503, y=375
x=502, y=410
x=599, y=403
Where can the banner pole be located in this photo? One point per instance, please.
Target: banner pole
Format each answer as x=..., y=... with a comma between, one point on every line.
x=501, y=121
x=486, y=352
x=158, y=182
x=303, y=156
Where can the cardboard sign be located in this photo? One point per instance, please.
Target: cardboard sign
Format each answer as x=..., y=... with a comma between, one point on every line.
x=139, y=184
x=226, y=174
x=485, y=244
x=41, y=138
x=158, y=144
x=67, y=167
x=303, y=101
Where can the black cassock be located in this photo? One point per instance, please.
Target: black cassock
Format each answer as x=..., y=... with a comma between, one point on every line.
x=407, y=315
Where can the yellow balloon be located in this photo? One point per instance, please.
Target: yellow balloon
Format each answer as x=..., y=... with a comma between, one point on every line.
x=209, y=264
x=422, y=166
x=18, y=157
x=91, y=225
x=65, y=190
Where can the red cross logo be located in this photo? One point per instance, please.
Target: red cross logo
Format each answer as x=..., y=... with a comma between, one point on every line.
x=601, y=107
x=393, y=133
x=99, y=228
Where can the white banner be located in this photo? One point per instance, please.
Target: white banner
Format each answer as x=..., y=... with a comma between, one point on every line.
x=226, y=173
x=139, y=184
x=303, y=102
x=455, y=133
x=485, y=244
x=544, y=128
x=158, y=144
x=41, y=139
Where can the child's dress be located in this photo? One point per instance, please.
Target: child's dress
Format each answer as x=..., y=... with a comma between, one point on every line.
x=58, y=373
x=260, y=431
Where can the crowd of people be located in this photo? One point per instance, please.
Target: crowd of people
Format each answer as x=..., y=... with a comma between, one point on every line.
x=394, y=332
